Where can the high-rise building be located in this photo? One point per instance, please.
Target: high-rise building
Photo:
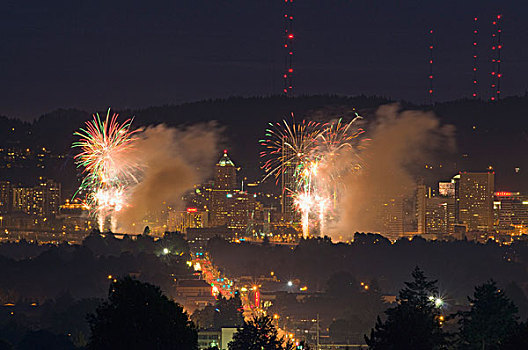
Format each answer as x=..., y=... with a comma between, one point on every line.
x=5, y=196
x=474, y=200
x=41, y=200
x=225, y=174
x=436, y=210
x=511, y=212
x=51, y=196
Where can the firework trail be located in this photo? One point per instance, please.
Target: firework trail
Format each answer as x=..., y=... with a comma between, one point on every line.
x=105, y=158
x=320, y=154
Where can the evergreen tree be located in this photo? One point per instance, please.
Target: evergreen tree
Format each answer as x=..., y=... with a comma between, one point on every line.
x=138, y=316
x=490, y=321
x=259, y=334
x=415, y=323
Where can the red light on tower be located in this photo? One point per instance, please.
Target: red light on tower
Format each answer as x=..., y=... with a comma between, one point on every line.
x=290, y=36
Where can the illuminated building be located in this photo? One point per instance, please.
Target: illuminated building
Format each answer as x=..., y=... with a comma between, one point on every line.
x=225, y=174
x=474, y=200
x=75, y=217
x=190, y=218
x=511, y=212
x=51, y=196
x=229, y=206
x=392, y=217
x=41, y=200
x=436, y=212
x=5, y=197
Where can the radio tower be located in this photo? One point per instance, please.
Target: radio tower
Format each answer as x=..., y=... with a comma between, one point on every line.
x=496, y=47
x=288, y=48
x=431, y=45
x=475, y=59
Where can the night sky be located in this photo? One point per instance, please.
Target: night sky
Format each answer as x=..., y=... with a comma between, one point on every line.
x=92, y=54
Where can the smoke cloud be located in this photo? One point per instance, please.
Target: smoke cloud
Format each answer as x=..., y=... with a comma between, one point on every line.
x=400, y=143
x=171, y=162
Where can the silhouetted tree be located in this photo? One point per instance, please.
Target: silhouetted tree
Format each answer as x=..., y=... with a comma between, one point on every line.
x=228, y=312
x=518, y=338
x=414, y=323
x=259, y=334
x=491, y=319
x=138, y=316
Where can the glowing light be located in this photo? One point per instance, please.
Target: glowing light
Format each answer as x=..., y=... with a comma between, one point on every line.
x=166, y=251
x=105, y=145
x=290, y=283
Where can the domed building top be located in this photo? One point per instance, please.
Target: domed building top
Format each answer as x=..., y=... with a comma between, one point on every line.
x=225, y=160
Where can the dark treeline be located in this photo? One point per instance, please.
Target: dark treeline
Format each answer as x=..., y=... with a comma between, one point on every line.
x=484, y=130
x=459, y=265
x=50, y=289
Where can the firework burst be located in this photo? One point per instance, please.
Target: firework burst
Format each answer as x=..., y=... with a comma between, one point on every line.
x=320, y=155
x=105, y=158
x=291, y=144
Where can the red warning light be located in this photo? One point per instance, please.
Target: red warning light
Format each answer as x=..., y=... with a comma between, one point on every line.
x=290, y=36
x=290, y=70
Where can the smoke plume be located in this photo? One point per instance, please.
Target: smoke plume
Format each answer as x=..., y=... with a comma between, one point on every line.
x=172, y=161
x=400, y=143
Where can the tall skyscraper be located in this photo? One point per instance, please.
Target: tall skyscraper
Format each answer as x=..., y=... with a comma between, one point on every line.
x=474, y=195
x=225, y=174
x=436, y=210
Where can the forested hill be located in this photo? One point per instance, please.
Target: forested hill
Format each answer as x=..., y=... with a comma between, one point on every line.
x=487, y=133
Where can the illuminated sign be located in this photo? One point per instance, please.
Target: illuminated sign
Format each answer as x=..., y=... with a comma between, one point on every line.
x=503, y=194
x=192, y=210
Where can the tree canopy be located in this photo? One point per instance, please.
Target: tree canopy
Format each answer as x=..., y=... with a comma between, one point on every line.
x=415, y=323
x=259, y=334
x=138, y=315
x=491, y=320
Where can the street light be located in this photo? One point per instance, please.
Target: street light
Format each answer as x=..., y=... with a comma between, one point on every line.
x=290, y=283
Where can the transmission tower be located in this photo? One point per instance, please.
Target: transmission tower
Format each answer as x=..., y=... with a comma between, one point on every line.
x=288, y=48
x=475, y=59
x=496, y=47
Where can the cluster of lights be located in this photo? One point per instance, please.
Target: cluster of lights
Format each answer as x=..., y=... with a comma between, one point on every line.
x=438, y=301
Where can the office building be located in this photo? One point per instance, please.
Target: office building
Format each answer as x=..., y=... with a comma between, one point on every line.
x=474, y=200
